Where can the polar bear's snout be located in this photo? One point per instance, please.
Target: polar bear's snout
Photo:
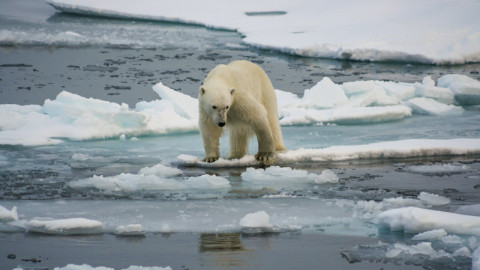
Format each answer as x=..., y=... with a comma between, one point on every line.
x=221, y=117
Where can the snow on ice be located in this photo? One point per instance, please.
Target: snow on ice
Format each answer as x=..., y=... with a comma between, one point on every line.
x=394, y=31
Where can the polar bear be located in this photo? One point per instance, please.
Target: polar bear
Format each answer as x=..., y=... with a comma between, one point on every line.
x=240, y=97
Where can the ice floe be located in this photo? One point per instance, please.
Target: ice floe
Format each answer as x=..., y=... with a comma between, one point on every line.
x=68, y=226
x=156, y=178
x=276, y=174
x=413, y=219
x=392, y=149
x=257, y=220
x=130, y=230
x=448, y=35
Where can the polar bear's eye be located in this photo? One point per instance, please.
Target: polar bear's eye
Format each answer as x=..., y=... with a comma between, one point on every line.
x=214, y=107
x=227, y=107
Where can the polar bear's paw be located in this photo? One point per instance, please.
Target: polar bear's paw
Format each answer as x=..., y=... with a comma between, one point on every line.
x=210, y=159
x=267, y=158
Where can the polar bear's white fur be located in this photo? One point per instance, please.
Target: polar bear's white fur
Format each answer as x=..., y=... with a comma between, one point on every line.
x=240, y=97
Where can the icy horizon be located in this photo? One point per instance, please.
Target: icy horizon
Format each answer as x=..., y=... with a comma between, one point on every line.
x=428, y=31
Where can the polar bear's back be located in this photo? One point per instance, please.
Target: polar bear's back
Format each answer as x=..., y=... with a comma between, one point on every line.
x=251, y=78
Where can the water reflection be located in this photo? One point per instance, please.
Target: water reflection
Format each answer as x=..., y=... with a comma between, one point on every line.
x=223, y=250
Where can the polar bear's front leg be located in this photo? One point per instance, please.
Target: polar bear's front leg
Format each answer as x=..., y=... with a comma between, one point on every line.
x=211, y=134
x=266, y=145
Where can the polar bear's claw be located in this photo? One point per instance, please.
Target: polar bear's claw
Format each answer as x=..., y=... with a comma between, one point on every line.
x=210, y=159
x=266, y=158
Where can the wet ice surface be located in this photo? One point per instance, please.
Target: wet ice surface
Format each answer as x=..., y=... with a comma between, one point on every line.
x=368, y=182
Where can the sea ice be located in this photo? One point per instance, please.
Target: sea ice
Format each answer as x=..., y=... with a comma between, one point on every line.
x=430, y=235
x=325, y=94
x=8, y=215
x=423, y=248
x=130, y=230
x=448, y=35
x=258, y=219
x=158, y=177
x=391, y=149
x=430, y=106
x=68, y=226
x=275, y=174
x=437, y=168
x=433, y=199
x=413, y=219
x=88, y=267
x=466, y=89
x=73, y=117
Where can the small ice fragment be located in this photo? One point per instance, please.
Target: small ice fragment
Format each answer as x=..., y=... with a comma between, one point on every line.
x=130, y=230
x=69, y=226
x=258, y=219
x=433, y=199
x=327, y=176
x=8, y=215
x=430, y=235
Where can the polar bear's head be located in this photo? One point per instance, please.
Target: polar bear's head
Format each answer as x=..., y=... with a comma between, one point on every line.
x=216, y=102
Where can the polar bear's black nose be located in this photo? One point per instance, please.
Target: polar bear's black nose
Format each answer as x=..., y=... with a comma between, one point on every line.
x=221, y=124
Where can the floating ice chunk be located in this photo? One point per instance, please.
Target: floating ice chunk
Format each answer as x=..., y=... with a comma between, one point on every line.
x=401, y=91
x=476, y=259
x=424, y=248
x=206, y=181
x=463, y=251
x=275, y=174
x=430, y=235
x=325, y=94
x=185, y=105
x=82, y=267
x=69, y=226
x=466, y=89
x=286, y=99
x=150, y=178
x=358, y=87
x=433, y=199
x=88, y=267
x=258, y=219
x=412, y=219
x=8, y=215
x=473, y=210
x=428, y=89
x=135, y=267
x=161, y=170
x=430, y=106
x=130, y=230
x=377, y=96
x=343, y=115
x=437, y=168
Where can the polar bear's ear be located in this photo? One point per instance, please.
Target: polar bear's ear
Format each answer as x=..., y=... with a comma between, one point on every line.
x=202, y=90
x=232, y=90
